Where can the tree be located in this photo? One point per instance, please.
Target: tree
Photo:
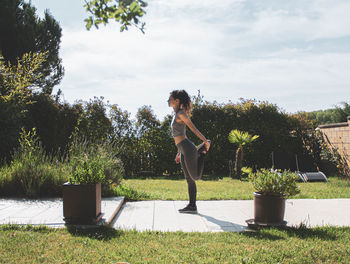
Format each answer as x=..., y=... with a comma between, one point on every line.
x=122, y=125
x=198, y=99
x=22, y=31
x=337, y=114
x=94, y=125
x=55, y=122
x=145, y=120
x=126, y=12
x=241, y=139
x=342, y=113
x=15, y=97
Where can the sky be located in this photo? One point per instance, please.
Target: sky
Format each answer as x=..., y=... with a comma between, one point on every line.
x=295, y=54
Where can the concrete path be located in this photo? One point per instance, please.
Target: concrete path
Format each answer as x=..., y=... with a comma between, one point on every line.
x=216, y=216
x=47, y=212
x=213, y=216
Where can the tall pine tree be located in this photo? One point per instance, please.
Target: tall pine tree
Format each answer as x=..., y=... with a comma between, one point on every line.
x=22, y=31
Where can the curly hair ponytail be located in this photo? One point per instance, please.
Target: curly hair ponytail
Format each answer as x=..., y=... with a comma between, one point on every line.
x=185, y=100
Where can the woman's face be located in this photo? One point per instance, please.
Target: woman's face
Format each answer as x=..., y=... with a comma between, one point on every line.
x=173, y=102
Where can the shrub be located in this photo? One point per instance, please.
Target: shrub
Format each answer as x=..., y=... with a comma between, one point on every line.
x=246, y=172
x=16, y=90
x=93, y=163
x=272, y=125
x=86, y=171
x=270, y=182
x=32, y=172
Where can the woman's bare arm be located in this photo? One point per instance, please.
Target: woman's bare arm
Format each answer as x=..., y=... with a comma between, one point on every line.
x=193, y=128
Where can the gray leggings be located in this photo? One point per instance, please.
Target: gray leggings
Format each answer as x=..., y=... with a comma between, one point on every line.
x=192, y=164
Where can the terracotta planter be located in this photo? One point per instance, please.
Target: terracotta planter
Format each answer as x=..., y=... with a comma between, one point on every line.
x=82, y=203
x=269, y=209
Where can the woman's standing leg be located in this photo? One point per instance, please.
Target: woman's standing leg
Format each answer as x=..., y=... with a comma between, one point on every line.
x=189, y=166
x=192, y=188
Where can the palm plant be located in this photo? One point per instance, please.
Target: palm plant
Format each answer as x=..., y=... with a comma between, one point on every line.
x=240, y=138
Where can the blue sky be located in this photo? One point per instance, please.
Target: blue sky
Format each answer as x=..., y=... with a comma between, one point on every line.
x=295, y=54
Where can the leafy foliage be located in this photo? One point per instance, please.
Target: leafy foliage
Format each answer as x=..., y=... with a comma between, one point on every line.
x=331, y=154
x=145, y=120
x=93, y=123
x=270, y=182
x=55, y=121
x=22, y=31
x=324, y=156
x=274, y=128
x=86, y=170
x=32, y=172
x=246, y=171
x=17, y=80
x=126, y=12
x=16, y=92
x=338, y=114
x=94, y=163
x=145, y=144
x=241, y=138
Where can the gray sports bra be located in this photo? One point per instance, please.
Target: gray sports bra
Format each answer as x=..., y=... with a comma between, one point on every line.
x=178, y=129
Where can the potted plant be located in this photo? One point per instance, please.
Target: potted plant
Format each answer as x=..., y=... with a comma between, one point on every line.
x=271, y=189
x=82, y=193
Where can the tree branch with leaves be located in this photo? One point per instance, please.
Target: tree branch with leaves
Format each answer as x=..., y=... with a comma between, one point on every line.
x=125, y=12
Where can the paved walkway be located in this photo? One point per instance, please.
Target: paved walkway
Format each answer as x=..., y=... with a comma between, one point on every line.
x=213, y=216
x=47, y=212
x=229, y=215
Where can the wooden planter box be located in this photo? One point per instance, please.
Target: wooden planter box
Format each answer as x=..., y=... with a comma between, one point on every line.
x=82, y=203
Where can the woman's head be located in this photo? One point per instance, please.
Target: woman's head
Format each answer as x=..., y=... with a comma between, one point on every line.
x=181, y=100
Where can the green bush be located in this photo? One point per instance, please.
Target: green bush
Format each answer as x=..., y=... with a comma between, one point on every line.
x=93, y=163
x=87, y=171
x=270, y=182
x=32, y=172
x=272, y=125
x=246, y=172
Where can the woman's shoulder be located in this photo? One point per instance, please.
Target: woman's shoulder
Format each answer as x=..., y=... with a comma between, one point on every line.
x=180, y=111
x=181, y=115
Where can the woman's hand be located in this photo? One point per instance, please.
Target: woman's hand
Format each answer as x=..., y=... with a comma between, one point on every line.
x=177, y=158
x=207, y=145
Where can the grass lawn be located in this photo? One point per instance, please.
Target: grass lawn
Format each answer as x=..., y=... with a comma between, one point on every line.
x=226, y=189
x=290, y=245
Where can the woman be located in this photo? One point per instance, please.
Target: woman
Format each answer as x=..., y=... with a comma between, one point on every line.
x=190, y=156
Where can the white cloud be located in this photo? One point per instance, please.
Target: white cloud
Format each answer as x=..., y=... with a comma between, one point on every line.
x=325, y=21
x=228, y=49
